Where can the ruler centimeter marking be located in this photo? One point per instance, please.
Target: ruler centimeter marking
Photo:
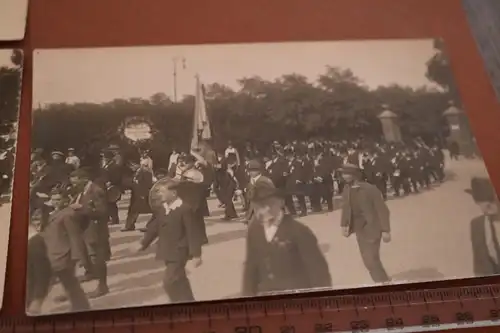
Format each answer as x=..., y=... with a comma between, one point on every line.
x=403, y=311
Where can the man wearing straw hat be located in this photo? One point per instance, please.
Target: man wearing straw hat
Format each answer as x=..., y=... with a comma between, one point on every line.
x=365, y=214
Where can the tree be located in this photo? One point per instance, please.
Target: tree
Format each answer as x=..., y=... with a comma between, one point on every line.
x=336, y=106
x=160, y=99
x=10, y=88
x=439, y=71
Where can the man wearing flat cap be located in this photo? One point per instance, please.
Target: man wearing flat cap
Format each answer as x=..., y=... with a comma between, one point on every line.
x=258, y=183
x=485, y=229
x=57, y=171
x=178, y=243
x=90, y=204
x=365, y=214
x=282, y=254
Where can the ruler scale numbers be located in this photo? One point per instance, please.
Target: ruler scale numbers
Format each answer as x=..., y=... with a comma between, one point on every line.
x=420, y=310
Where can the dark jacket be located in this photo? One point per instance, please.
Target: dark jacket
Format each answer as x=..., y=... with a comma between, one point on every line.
x=94, y=218
x=64, y=241
x=483, y=263
x=291, y=261
x=375, y=211
x=262, y=184
x=178, y=237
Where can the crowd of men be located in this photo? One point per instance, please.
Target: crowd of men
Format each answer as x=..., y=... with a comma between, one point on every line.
x=7, y=148
x=72, y=205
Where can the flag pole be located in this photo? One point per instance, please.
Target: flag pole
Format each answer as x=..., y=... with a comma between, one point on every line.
x=174, y=60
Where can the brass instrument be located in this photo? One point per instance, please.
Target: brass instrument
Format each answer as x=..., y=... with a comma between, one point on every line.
x=158, y=192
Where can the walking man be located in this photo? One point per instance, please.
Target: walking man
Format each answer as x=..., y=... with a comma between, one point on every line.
x=179, y=242
x=282, y=254
x=365, y=214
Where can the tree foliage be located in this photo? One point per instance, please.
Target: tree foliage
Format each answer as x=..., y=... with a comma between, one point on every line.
x=337, y=105
x=10, y=85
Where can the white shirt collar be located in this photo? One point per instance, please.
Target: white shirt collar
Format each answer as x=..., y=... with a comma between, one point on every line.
x=254, y=179
x=270, y=231
x=174, y=205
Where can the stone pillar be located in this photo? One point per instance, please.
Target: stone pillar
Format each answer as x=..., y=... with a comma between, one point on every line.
x=459, y=130
x=390, y=125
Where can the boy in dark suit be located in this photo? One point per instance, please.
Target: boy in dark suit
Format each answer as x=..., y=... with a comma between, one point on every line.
x=282, y=254
x=365, y=213
x=179, y=241
x=485, y=229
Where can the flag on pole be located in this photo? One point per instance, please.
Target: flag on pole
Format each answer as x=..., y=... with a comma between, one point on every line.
x=201, y=123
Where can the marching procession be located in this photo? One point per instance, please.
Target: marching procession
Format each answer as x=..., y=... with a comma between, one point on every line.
x=73, y=205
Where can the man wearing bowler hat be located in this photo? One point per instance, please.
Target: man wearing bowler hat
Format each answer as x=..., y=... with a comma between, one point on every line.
x=282, y=254
x=257, y=183
x=365, y=214
x=485, y=229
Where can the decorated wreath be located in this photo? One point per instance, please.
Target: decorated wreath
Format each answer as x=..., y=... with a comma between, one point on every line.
x=137, y=130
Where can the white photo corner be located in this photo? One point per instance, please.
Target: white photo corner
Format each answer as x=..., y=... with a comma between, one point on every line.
x=13, y=14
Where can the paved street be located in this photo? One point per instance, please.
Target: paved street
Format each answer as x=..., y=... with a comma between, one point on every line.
x=430, y=240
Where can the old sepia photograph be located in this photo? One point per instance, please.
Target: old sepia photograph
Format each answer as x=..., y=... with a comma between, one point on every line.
x=13, y=14
x=180, y=174
x=11, y=69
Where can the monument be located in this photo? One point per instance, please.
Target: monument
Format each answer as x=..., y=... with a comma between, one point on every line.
x=459, y=130
x=390, y=125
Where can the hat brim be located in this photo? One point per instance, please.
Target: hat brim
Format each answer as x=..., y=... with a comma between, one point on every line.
x=275, y=194
x=350, y=170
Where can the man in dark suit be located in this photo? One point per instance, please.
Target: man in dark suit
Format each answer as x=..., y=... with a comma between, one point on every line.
x=141, y=185
x=112, y=177
x=365, y=214
x=228, y=185
x=178, y=242
x=257, y=183
x=485, y=229
x=295, y=184
x=91, y=206
x=282, y=254
x=65, y=246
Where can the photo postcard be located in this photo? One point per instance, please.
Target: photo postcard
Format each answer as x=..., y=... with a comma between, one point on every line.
x=191, y=173
x=11, y=71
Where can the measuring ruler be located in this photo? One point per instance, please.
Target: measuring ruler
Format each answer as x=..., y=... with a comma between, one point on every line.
x=407, y=311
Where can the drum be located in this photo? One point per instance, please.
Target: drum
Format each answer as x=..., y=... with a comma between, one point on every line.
x=157, y=193
x=113, y=193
